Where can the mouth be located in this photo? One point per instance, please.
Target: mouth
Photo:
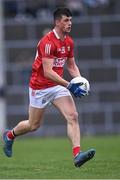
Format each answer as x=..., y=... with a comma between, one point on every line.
x=69, y=28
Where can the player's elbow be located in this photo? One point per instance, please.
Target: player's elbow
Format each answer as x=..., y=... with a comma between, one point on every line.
x=47, y=74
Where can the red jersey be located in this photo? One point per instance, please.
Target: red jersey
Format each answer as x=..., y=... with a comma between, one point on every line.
x=50, y=46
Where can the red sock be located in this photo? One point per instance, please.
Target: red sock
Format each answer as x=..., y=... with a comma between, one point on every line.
x=10, y=135
x=76, y=150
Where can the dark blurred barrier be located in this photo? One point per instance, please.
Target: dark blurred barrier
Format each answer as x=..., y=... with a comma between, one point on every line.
x=42, y=8
x=97, y=44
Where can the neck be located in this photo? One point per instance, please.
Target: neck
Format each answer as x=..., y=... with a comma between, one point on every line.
x=60, y=33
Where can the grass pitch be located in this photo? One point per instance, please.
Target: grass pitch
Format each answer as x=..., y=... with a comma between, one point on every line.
x=51, y=158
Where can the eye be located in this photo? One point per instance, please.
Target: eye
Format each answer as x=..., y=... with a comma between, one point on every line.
x=66, y=20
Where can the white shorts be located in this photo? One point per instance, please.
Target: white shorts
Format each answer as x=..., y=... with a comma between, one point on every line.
x=42, y=98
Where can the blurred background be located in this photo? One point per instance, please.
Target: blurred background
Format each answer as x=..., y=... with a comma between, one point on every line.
x=96, y=32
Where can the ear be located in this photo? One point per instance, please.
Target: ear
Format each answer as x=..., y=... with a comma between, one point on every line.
x=57, y=22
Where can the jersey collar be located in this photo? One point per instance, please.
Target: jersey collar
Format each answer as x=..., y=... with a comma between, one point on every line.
x=56, y=34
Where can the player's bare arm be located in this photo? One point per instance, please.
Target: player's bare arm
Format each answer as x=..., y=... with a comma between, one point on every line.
x=54, y=50
x=50, y=74
x=72, y=67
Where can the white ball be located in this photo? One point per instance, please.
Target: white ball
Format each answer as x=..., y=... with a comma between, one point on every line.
x=84, y=83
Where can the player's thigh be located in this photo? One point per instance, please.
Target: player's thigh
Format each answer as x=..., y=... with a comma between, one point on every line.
x=66, y=106
x=35, y=115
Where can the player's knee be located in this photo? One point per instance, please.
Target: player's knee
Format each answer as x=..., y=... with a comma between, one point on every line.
x=73, y=117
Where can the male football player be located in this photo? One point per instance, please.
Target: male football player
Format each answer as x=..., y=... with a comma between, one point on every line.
x=47, y=85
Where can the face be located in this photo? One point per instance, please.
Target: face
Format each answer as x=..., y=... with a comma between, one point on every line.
x=64, y=24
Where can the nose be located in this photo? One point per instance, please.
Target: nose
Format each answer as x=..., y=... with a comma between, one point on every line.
x=70, y=22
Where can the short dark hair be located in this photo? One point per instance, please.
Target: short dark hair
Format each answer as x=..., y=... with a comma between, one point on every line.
x=62, y=11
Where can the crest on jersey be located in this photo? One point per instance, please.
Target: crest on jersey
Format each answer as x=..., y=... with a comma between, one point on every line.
x=68, y=48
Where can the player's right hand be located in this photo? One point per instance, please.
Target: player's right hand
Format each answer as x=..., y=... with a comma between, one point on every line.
x=76, y=90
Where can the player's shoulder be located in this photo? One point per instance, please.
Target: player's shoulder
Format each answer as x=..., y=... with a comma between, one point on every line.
x=47, y=38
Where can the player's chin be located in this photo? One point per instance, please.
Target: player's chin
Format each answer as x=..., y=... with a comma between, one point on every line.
x=68, y=30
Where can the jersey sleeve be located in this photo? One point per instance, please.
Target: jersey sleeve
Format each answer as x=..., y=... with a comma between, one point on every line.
x=46, y=49
x=71, y=53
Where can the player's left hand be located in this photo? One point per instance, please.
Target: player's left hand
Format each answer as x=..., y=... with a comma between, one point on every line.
x=80, y=92
x=76, y=90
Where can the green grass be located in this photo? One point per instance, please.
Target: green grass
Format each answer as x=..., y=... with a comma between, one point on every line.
x=49, y=158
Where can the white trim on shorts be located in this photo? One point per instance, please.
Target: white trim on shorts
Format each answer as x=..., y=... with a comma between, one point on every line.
x=42, y=98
